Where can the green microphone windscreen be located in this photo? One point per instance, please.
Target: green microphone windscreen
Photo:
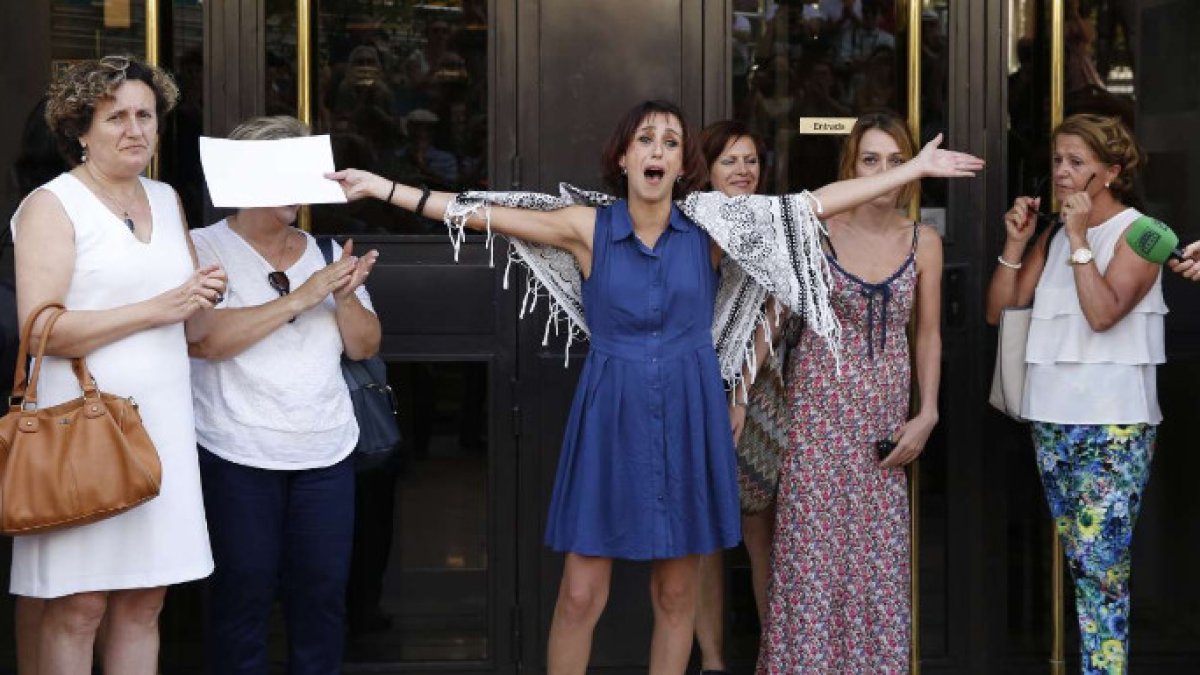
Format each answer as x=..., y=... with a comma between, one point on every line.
x=1151, y=239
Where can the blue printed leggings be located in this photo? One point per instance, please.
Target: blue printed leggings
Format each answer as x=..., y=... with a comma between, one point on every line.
x=1094, y=476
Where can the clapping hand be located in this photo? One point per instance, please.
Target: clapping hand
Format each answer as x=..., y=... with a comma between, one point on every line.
x=359, y=273
x=204, y=289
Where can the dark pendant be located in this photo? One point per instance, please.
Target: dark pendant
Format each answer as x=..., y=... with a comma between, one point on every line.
x=129, y=222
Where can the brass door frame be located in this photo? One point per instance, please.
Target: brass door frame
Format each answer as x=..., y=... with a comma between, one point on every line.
x=152, y=58
x=913, y=59
x=1058, y=665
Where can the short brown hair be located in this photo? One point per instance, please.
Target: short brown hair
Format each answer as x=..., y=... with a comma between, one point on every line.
x=695, y=172
x=715, y=137
x=893, y=126
x=71, y=100
x=1112, y=143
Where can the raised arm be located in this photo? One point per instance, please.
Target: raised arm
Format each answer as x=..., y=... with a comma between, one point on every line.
x=568, y=228
x=1020, y=265
x=1105, y=298
x=45, y=262
x=931, y=162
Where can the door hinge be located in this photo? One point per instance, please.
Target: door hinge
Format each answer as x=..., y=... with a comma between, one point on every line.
x=516, y=420
x=516, y=635
x=515, y=168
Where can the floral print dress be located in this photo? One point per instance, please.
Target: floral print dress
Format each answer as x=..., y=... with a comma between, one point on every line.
x=839, y=588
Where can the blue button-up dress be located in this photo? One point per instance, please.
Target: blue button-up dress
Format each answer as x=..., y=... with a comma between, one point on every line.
x=647, y=468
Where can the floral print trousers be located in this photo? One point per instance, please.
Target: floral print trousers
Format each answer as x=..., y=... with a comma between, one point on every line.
x=1094, y=476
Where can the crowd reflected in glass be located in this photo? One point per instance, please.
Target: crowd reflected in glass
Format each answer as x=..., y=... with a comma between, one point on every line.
x=797, y=60
x=402, y=90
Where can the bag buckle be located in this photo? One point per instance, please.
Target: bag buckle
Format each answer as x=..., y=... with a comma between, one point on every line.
x=27, y=406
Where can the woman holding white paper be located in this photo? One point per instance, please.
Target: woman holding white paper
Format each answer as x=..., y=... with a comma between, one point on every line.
x=276, y=430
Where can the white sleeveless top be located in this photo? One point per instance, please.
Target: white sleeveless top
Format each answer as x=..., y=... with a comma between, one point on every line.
x=165, y=540
x=1077, y=375
x=282, y=403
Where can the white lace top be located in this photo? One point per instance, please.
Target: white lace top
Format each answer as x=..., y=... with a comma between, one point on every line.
x=282, y=403
x=1080, y=376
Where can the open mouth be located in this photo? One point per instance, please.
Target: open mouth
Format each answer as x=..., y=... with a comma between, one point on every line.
x=654, y=175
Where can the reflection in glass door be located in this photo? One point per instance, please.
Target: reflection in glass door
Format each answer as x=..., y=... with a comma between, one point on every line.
x=402, y=89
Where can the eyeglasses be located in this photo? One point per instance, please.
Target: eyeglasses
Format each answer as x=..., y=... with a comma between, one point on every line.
x=117, y=64
x=1040, y=184
x=282, y=285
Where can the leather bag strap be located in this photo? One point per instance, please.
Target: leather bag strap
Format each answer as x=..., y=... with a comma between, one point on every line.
x=19, y=380
x=30, y=402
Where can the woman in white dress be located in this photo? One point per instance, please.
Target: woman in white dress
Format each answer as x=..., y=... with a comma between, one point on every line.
x=113, y=248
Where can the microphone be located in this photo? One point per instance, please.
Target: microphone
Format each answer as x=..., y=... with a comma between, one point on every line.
x=1153, y=241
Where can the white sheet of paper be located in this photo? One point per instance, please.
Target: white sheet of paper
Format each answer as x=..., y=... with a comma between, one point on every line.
x=247, y=174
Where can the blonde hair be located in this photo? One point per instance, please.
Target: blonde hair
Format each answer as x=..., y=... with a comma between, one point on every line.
x=269, y=128
x=1111, y=141
x=892, y=126
x=73, y=95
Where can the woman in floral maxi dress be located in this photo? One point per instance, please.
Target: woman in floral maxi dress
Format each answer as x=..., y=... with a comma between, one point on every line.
x=839, y=591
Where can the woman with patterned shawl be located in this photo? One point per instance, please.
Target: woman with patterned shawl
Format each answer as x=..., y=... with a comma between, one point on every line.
x=647, y=469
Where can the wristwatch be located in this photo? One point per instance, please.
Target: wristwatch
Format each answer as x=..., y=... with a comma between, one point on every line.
x=1081, y=256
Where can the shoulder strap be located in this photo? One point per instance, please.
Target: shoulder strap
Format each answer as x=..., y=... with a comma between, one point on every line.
x=326, y=246
x=829, y=243
x=916, y=230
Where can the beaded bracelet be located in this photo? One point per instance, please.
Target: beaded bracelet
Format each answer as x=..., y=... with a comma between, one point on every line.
x=1012, y=266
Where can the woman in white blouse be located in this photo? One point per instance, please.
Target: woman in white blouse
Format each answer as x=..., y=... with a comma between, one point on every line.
x=276, y=431
x=1094, y=340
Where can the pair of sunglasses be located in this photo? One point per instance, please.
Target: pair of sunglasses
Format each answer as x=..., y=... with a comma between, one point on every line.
x=117, y=64
x=1044, y=218
x=282, y=285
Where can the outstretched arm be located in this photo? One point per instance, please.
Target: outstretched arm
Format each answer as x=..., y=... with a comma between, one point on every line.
x=569, y=228
x=932, y=162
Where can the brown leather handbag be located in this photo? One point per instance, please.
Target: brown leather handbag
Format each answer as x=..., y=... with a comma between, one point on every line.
x=74, y=463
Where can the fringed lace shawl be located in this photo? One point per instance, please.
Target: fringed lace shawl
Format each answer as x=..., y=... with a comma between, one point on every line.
x=772, y=246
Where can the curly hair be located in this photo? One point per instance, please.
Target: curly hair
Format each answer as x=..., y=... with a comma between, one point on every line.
x=1112, y=143
x=72, y=98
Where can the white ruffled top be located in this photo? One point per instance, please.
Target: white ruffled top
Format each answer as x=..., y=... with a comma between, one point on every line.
x=1077, y=375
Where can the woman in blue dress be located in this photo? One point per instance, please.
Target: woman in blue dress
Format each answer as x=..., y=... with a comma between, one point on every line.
x=647, y=469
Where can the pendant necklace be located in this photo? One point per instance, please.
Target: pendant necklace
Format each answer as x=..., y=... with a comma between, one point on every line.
x=112, y=200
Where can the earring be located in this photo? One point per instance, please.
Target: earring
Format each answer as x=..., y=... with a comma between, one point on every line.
x=83, y=154
x=679, y=179
x=1107, y=184
x=622, y=171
